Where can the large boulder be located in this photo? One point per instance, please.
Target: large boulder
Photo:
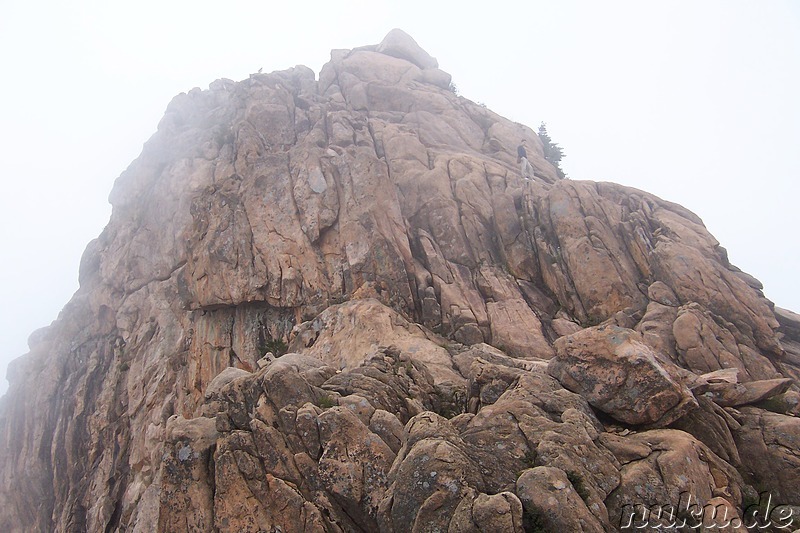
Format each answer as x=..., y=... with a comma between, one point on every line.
x=187, y=494
x=768, y=444
x=435, y=471
x=553, y=503
x=668, y=469
x=621, y=376
x=346, y=335
x=398, y=43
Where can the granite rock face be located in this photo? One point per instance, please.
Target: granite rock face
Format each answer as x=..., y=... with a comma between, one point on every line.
x=621, y=376
x=332, y=304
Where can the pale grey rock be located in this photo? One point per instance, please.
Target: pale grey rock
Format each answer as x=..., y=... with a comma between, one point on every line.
x=398, y=43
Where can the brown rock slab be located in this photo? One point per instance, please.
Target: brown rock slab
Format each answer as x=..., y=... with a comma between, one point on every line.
x=354, y=465
x=712, y=425
x=345, y=335
x=620, y=375
x=768, y=444
x=517, y=330
x=677, y=466
x=738, y=394
x=552, y=503
x=433, y=476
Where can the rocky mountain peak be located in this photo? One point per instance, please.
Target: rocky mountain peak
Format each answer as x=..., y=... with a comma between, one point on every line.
x=398, y=43
x=336, y=304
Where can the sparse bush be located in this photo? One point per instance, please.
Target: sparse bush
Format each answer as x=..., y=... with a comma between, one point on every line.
x=325, y=402
x=276, y=346
x=533, y=522
x=591, y=321
x=552, y=151
x=530, y=459
x=577, y=483
x=776, y=404
x=449, y=403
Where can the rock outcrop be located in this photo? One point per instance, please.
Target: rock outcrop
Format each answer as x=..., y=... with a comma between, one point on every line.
x=333, y=304
x=621, y=376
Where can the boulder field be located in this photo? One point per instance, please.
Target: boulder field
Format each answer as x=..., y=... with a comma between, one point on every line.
x=331, y=303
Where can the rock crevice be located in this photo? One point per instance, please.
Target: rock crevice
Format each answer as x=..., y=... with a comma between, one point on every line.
x=335, y=305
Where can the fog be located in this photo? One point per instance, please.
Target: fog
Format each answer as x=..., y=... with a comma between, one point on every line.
x=693, y=101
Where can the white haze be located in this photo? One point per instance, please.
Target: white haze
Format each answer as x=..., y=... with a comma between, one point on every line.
x=695, y=101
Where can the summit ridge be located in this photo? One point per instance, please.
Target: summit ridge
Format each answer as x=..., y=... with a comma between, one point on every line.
x=335, y=304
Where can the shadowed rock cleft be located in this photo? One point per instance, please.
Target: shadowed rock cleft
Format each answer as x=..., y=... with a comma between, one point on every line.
x=333, y=304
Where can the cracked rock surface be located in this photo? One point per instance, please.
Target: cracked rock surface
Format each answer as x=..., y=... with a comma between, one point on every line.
x=331, y=303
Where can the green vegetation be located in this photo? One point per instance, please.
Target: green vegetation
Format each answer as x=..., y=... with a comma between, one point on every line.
x=325, y=402
x=533, y=522
x=552, y=151
x=449, y=403
x=530, y=459
x=591, y=321
x=276, y=346
x=776, y=404
x=578, y=484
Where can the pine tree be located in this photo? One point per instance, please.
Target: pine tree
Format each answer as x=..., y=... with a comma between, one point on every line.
x=552, y=151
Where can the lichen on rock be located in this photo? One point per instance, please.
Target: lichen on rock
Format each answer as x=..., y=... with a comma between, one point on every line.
x=333, y=304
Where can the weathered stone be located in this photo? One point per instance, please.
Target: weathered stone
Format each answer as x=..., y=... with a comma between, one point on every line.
x=704, y=345
x=223, y=378
x=497, y=512
x=660, y=292
x=517, y=330
x=737, y=394
x=787, y=403
x=308, y=429
x=552, y=503
x=711, y=425
x=200, y=432
x=354, y=465
x=434, y=474
x=358, y=405
x=619, y=375
x=345, y=335
x=295, y=268
x=789, y=322
x=187, y=488
x=721, y=515
x=386, y=425
x=768, y=443
x=656, y=329
x=437, y=77
x=564, y=327
x=400, y=44
x=677, y=467
x=271, y=503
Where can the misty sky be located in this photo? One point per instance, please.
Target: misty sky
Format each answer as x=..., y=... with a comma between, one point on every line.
x=695, y=101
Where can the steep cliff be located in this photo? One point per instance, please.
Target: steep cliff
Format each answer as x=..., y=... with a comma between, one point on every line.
x=467, y=349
